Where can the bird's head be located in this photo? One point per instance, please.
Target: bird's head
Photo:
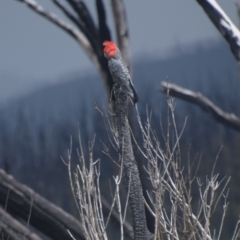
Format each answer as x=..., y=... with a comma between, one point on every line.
x=110, y=49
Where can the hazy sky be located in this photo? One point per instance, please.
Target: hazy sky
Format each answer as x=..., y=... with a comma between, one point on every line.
x=33, y=51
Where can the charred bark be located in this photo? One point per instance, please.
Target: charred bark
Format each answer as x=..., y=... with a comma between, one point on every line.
x=131, y=178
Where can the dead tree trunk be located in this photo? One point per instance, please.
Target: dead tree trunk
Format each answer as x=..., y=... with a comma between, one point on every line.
x=11, y=229
x=45, y=216
x=130, y=171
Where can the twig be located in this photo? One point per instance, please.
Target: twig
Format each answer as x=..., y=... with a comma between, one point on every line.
x=29, y=215
x=71, y=234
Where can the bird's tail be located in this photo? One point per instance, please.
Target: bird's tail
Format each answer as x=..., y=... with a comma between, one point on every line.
x=132, y=94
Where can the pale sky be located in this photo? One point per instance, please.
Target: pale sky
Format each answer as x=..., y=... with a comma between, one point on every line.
x=34, y=52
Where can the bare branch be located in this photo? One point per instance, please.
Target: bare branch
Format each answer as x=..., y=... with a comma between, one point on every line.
x=82, y=11
x=120, y=18
x=104, y=31
x=87, y=35
x=69, y=14
x=168, y=180
x=228, y=119
x=128, y=230
x=238, y=11
x=76, y=34
x=223, y=23
x=86, y=24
